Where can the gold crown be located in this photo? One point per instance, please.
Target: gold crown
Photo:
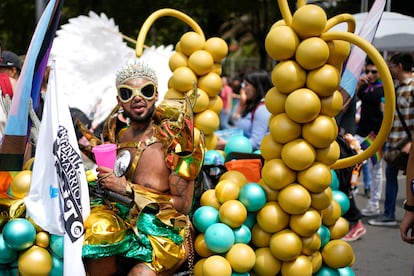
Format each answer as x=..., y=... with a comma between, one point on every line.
x=135, y=70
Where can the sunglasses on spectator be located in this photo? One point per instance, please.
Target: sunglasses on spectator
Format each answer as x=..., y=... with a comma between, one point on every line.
x=127, y=93
x=371, y=71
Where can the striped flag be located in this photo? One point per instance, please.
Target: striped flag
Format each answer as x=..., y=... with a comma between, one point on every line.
x=356, y=59
x=28, y=87
x=366, y=143
x=58, y=200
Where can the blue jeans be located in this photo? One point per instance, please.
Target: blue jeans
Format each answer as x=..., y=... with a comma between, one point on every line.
x=391, y=191
x=366, y=173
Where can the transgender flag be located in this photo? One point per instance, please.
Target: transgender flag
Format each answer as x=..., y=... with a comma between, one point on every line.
x=28, y=88
x=356, y=59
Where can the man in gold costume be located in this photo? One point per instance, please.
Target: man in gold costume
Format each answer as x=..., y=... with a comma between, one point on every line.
x=155, y=234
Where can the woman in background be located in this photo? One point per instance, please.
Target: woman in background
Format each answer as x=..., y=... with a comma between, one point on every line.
x=252, y=115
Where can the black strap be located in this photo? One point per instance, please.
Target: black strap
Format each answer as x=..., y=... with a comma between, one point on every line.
x=403, y=122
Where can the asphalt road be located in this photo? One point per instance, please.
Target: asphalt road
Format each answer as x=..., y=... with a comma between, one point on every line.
x=381, y=251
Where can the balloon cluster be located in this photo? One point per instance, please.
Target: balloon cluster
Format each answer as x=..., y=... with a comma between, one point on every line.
x=27, y=250
x=224, y=222
x=197, y=62
x=303, y=225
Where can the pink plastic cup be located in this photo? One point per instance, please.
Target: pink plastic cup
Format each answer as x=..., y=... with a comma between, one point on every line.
x=105, y=155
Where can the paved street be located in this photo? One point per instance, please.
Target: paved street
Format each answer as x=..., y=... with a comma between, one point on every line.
x=381, y=251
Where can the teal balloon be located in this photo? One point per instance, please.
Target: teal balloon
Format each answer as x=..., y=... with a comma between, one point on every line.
x=7, y=254
x=238, y=143
x=213, y=157
x=346, y=271
x=251, y=220
x=327, y=271
x=335, y=181
x=57, y=266
x=242, y=234
x=205, y=216
x=342, y=199
x=257, y=152
x=240, y=274
x=253, y=196
x=324, y=234
x=56, y=245
x=219, y=237
x=19, y=234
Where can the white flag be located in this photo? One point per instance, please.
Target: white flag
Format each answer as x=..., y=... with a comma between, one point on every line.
x=58, y=200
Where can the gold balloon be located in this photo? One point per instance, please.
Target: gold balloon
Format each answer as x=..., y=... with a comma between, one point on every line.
x=311, y=244
x=309, y=20
x=316, y=260
x=176, y=60
x=321, y=132
x=321, y=200
x=234, y=176
x=287, y=76
x=217, y=47
x=294, y=199
x=216, y=265
x=281, y=42
x=324, y=80
x=316, y=178
x=285, y=245
x=209, y=198
x=328, y=155
x=272, y=218
x=20, y=185
x=276, y=174
x=208, y=121
x=201, y=247
x=202, y=100
x=233, y=213
x=332, y=105
x=198, y=267
x=338, y=51
x=331, y=214
x=306, y=224
x=266, y=264
x=211, y=140
x=271, y=195
x=201, y=62
x=211, y=83
x=241, y=257
x=337, y=254
x=227, y=190
x=35, y=261
x=298, y=154
x=42, y=239
x=215, y=104
x=269, y=148
x=283, y=129
x=183, y=79
x=302, y=265
x=339, y=229
x=191, y=42
x=312, y=53
x=260, y=238
x=302, y=105
x=275, y=101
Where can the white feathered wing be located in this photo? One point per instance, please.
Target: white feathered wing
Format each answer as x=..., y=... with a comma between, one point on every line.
x=88, y=51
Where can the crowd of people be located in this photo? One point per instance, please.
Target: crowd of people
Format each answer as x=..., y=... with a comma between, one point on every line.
x=161, y=194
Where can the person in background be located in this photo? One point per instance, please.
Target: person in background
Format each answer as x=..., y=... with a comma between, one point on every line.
x=226, y=95
x=407, y=223
x=10, y=67
x=236, y=84
x=252, y=116
x=371, y=94
x=401, y=66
